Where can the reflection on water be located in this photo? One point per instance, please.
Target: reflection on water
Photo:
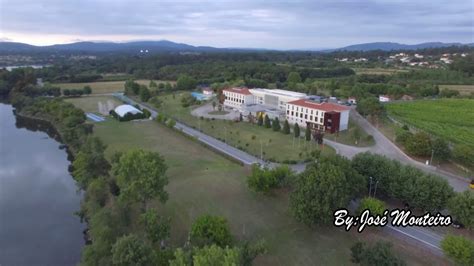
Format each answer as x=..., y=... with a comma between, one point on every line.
x=38, y=196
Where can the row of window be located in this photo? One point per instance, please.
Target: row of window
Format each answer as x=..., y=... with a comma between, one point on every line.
x=301, y=115
x=305, y=110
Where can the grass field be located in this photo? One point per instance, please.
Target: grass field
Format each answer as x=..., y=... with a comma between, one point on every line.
x=463, y=89
x=249, y=137
x=348, y=136
x=104, y=86
x=90, y=104
x=202, y=182
x=451, y=119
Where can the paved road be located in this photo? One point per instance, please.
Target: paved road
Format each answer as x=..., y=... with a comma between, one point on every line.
x=203, y=111
x=423, y=235
x=386, y=147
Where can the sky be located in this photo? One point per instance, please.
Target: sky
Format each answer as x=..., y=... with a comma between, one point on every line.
x=268, y=24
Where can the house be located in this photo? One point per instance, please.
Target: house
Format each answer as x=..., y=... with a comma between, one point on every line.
x=384, y=98
x=328, y=117
x=236, y=97
x=352, y=100
x=407, y=98
x=124, y=109
x=207, y=91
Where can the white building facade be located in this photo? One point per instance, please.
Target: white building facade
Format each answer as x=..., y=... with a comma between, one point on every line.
x=236, y=97
x=276, y=98
x=322, y=116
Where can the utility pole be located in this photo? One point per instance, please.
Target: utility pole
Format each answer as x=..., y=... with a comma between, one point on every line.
x=432, y=153
x=225, y=134
x=375, y=190
x=370, y=185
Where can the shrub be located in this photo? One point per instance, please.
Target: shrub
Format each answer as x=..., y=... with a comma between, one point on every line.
x=208, y=230
x=459, y=249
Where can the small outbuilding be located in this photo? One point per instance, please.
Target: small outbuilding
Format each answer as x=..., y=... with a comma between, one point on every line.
x=124, y=109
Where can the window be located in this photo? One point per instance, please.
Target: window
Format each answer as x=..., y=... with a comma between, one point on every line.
x=321, y=120
x=292, y=113
x=310, y=117
x=305, y=116
x=287, y=112
x=301, y=115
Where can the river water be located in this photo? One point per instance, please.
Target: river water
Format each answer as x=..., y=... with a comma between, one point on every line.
x=38, y=197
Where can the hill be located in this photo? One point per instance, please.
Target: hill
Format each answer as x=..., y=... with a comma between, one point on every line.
x=389, y=46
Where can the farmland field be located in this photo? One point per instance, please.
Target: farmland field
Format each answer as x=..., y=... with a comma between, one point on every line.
x=451, y=119
x=100, y=87
x=378, y=71
x=463, y=89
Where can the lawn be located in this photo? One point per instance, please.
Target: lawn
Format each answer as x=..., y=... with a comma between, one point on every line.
x=202, y=182
x=248, y=137
x=100, y=87
x=463, y=89
x=353, y=136
x=450, y=119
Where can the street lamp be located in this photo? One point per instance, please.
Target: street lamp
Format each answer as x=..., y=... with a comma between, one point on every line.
x=370, y=185
x=375, y=190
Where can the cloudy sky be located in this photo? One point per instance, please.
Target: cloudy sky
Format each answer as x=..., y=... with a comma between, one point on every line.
x=250, y=23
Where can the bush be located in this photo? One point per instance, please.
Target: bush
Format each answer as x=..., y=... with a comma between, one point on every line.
x=464, y=155
x=208, y=230
x=419, y=144
x=461, y=207
x=459, y=249
x=374, y=205
x=262, y=180
x=379, y=253
x=171, y=123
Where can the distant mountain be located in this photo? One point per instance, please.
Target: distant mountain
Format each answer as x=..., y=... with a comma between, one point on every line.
x=389, y=46
x=151, y=46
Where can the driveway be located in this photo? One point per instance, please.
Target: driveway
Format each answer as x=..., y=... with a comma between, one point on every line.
x=204, y=110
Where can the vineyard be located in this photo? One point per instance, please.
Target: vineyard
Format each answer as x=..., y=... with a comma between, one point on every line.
x=450, y=119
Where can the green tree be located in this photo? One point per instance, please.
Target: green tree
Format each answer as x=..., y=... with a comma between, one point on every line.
x=208, y=229
x=208, y=255
x=441, y=150
x=260, y=120
x=370, y=106
x=459, y=249
x=152, y=84
x=144, y=93
x=156, y=227
x=267, y=122
x=322, y=188
x=215, y=255
x=141, y=176
x=419, y=144
x=296, y=130
x=307, y=133
x=276, y=124
x=131, y=250
x=461, y=206
x=90, y=162
x=374, y=205
x=464, y=154
x=87, y=89
x=186, y=82
x=131, y=87
x=293, y=78
x=286, y=128
x=379, y=253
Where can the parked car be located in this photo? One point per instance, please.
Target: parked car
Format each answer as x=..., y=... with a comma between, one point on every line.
x=457, y=225
x=472, y=184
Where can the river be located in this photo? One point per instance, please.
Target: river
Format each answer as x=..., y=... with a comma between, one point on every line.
x=38, y=198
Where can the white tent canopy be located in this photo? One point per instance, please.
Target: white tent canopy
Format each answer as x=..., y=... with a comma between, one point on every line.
x=123, y=109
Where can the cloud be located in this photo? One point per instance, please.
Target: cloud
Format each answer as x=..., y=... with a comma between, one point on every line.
x=259, y=23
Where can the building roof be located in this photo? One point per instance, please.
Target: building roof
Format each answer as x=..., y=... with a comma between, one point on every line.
x=244, y=91
x=327, y=107
x=123, y=109
x=279, y=92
